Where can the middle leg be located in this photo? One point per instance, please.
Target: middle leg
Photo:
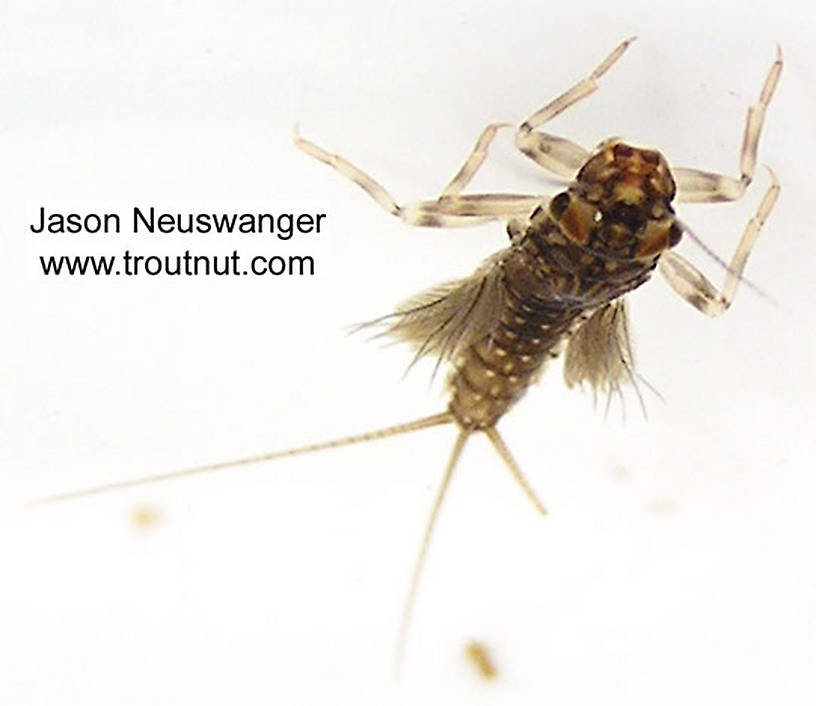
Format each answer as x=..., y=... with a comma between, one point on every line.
x=451, y=209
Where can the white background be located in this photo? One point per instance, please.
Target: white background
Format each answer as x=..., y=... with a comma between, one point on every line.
x=677, y=563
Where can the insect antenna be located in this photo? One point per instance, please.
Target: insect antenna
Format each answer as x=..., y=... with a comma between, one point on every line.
x=415, y=425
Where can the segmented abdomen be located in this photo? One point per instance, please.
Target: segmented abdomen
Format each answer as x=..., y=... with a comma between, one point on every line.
x=492, y=374
x=550, y=285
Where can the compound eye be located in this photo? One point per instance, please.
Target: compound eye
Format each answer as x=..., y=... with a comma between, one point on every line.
x=622, y=150
x=559, y=204
x=675, y=234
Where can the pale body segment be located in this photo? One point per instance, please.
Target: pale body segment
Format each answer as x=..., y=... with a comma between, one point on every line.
x=560, y=283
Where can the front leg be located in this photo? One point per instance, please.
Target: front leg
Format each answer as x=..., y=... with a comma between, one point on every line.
x=692, y=285
x=556, y=154
x=696, y=185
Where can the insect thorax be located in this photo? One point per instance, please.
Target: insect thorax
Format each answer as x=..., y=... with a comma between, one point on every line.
x=597, y=240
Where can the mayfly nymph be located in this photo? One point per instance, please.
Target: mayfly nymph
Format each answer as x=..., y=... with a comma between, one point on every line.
x=560, y=284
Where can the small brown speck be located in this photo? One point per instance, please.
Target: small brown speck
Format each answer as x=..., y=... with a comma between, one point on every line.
x=479, y=657
x=145, y=516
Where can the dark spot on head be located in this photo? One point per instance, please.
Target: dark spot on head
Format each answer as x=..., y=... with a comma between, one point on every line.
x=628, y=215
x=650, y=156
x=675, y=233
x=621, y=150
x=559, y=204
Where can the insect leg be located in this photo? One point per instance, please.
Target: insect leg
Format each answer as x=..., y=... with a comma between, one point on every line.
x=474, y=160
x=448, y=211
x=692, y=285
x=696, y=185
x=557, y=154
